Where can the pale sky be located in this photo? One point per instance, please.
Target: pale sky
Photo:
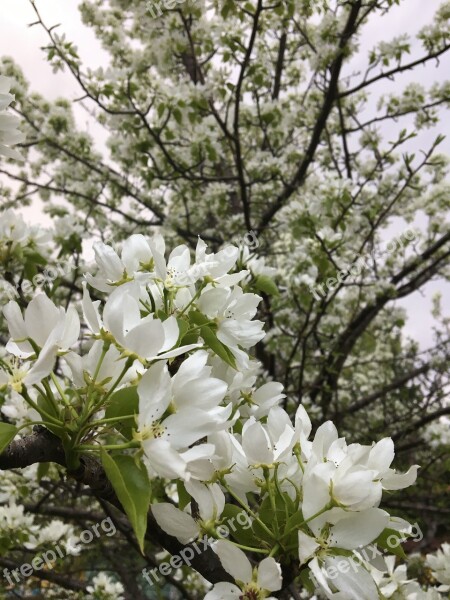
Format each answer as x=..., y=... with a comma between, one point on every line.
x=23, y=44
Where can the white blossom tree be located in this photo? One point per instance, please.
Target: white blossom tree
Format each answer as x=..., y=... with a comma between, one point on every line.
x=142, y=388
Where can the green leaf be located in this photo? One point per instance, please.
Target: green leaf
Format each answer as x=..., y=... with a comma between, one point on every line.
x=239, y=525
x=269, y=518
x=282, y=511
x=391, y=546
x=161, y=109
x=178, y=116
x=183, y=496
x=306, y=581
x=265, y=284
x=123, y=403
x=190, y=338
x=7, y=434
x=227, y=9
x=198, y=318
x=183, y=326
x=42, y=470
x=132, y=486
x=212, y=341
x=35, y=257
x=44, y=403
x=293, y=522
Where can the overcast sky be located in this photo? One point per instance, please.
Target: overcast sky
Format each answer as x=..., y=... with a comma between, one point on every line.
x=24, y=45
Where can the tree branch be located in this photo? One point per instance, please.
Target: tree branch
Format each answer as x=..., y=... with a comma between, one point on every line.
x=322, y=119
x=43, y=446
x=395, y=71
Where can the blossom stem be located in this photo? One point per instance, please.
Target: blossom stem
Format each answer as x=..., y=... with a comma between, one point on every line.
x=40, y=410
x=109, y=447
x=279, y=491
x=197, y=295
x=100, y=361
x=128, y=364
x=249, y=510
x=271, y=497
x=298, y=454
x=249, y=549
x=92, y=424
x=63, y=396
x=50, y=395
x=112, y=420
x=317, y=514
x=274, y=550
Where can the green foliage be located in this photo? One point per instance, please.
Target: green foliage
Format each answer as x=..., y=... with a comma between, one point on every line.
x=130, y=481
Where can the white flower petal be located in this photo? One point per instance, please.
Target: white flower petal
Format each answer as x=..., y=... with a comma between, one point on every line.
x=90, y=311
x=154, y=394
x=381, y=455
x=398, y=481
x=307, y=546
x=187, y=426
x=41, y=317
x=175, y=522
x=145, y=339
x=269, y=575
x=358, y=529
x=224, y=591
x=233, y=560
x=171, y=333
x=178, y=351
x=164, y=460
x=256, y=445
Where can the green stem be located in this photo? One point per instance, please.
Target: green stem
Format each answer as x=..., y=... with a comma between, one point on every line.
x=197, y=295
x=279, y=491
x=272, y=499
x=249, y=549
x=63, y=396
x=109, y=447
x=111, y=420
x=93, y=424
x=320, y=512
x=298, y=454
x=274, y=550
x=127, y=366
x=249, y=510
x=40, y=410
x=50, y=395
x=105, y=349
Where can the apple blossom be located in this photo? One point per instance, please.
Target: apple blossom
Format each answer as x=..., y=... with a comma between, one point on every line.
x=164, y=437
x=233, y=310
x=340, y=578
x=210, y=501
x=252, y=584
x=440, y=564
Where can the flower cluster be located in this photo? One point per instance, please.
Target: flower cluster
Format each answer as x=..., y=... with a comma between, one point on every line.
x=103, y=588
x=158, y=380
x=440, y=564
x=9, y=134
